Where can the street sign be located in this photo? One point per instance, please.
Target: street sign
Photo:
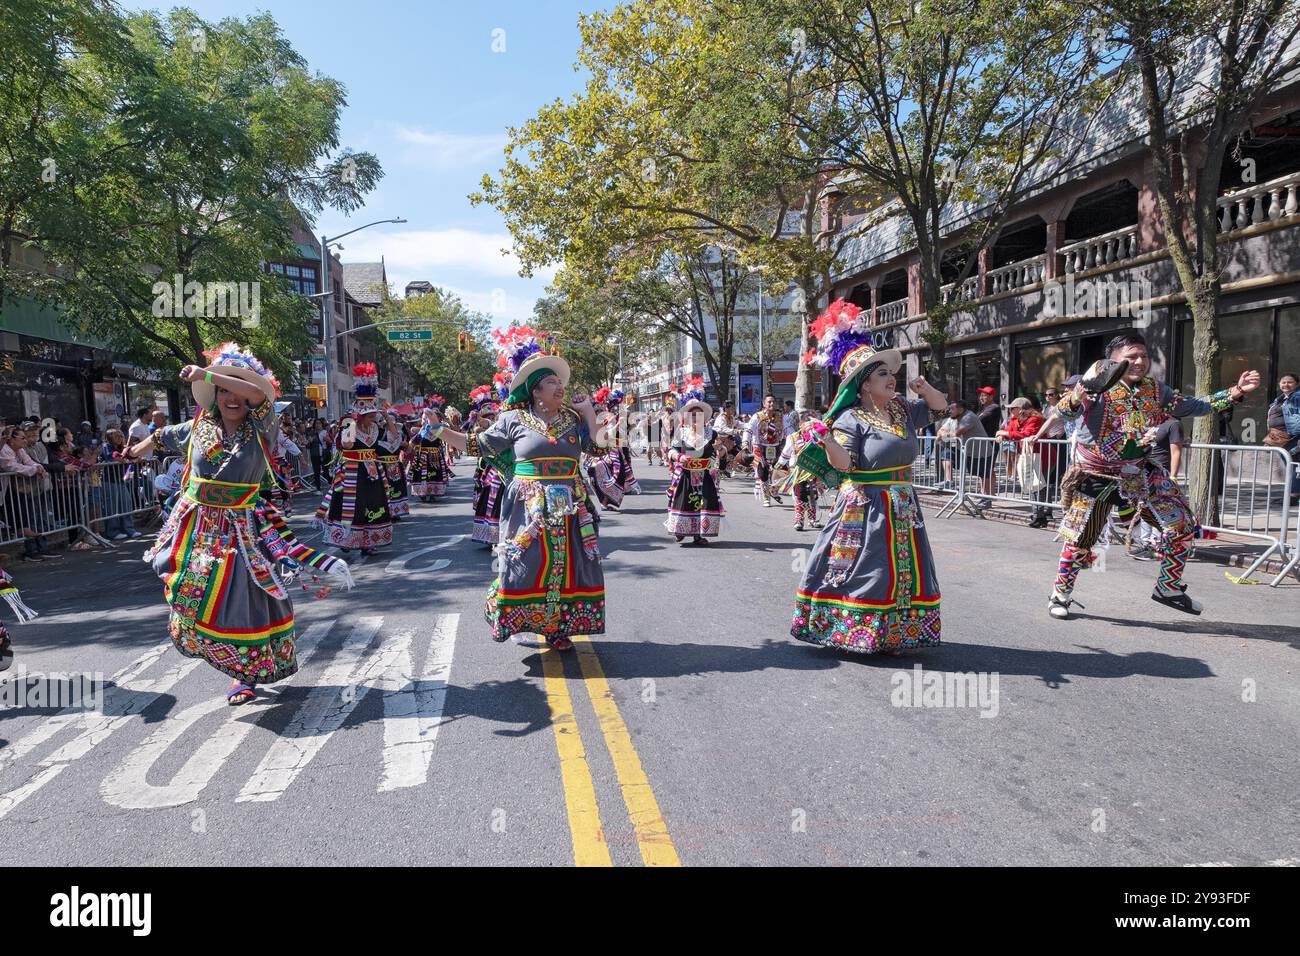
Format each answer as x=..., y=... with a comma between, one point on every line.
x=410, y=335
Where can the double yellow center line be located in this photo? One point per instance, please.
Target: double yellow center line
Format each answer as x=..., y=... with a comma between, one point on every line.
x=590, y=847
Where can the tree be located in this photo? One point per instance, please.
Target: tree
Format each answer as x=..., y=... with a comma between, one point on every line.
x=1205, y=71
x=437, y=366
x=591, y=325
x=945, y=106
x=208, y=148
x=678, y=142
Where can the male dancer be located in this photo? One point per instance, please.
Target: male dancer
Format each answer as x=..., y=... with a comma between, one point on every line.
x=765, y=437
x=1118, y=410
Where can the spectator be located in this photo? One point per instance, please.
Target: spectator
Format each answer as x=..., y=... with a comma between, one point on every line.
x=990, y=412
x=1284, y=424
x=140, y=429
x=946, y=439
x=86, y=438
x=1023, y=425
x=979, y=454
x=70, y=498
x=24, y=492
x=116, y=494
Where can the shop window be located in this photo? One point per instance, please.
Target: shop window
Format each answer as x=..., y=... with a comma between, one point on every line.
x=1247, y=341
x=1288, y=346
x=1040, y=367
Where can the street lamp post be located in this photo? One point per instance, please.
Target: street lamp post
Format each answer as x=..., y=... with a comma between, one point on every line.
x=762, y=368
x=327, y=311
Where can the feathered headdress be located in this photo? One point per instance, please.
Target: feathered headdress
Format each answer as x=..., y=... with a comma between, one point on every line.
x=365, y=387
x=601, y=397
x=844, y=345
x=501, y=382
x=518, y=343
x=615, y=399
x=230, y=355
x=524, y=352
x=437, y=402
x=692, y=390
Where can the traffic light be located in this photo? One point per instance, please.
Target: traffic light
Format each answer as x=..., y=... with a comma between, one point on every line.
x=462, y=342
x=316, y=394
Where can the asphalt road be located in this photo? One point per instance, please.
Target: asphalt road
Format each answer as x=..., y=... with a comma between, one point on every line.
x=694, y=731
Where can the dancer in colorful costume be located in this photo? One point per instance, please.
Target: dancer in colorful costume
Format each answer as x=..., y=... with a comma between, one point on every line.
x=354, y=512
x=1119, y=410
x=603, y=470
x=870, y=583
x=805, y=487
x=389, y=455
x=551, y=581
x=620, y=451
x=429, y=468
x=485, y=404
x=226, y=556
x=694, y=507
x=9, y=592
x=765, y=437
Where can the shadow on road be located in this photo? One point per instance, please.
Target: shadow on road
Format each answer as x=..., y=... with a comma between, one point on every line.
x=1278, y=633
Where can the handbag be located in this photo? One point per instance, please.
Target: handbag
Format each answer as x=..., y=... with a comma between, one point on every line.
x=1277, y=438
x=1029, y=471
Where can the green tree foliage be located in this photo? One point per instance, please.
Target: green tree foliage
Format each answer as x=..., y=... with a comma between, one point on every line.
x=198, y=147
x=437, y=367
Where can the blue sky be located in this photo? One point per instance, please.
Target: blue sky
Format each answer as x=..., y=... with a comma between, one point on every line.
x=429, y=96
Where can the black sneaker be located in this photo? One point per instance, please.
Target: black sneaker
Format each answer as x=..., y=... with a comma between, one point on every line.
x=1179, y=601
x=33, y=557
x=1141, y=554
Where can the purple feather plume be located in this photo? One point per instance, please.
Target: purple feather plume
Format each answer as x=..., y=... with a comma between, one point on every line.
x=845, y=343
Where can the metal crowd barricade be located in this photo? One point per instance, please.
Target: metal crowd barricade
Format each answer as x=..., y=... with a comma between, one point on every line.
x=90, y=499
x=1253, y=483
x=987, y=471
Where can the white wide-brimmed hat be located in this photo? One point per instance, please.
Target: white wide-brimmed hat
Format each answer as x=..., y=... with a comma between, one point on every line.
x=229, y=359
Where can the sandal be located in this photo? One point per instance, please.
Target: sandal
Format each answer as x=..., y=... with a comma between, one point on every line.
x=560, y=644
x=240, y=694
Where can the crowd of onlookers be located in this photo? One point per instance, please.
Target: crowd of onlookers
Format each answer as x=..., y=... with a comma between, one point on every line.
x=56, y=481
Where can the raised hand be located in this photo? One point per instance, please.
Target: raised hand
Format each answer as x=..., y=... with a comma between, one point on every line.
x=191, y=373
x=1249, y=381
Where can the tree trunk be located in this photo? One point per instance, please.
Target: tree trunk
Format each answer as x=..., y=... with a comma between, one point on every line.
x=1204, y=473
x=804, y=382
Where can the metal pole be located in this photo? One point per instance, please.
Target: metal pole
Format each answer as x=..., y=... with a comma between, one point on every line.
x=327, y=325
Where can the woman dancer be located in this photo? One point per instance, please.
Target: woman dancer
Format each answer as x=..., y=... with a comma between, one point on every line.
x=220, y=549
x=870, y=583
x=429, y=467
x=694, y=507
x=389, y=456
x=354, y=512
x=550, y=582
x=488, y=483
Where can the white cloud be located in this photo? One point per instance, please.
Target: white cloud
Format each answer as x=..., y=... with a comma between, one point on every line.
x=424, y=254
x=444, y=151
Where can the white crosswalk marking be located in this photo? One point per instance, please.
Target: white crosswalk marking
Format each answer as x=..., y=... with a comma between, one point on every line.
x=121, y=702
x=128, y=786
x=413, y=708
x=413, y=702
x=324, y=711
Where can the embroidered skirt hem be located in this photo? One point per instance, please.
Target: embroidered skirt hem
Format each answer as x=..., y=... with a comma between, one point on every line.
x=862, y=630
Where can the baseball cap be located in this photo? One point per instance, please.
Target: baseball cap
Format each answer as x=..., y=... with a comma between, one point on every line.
x=987, y=390
x=29, y=423
x=1072, y=381
x=1020, y=402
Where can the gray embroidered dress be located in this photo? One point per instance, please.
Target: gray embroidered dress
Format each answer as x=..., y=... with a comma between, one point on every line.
x=870, y=584
x=551, y=581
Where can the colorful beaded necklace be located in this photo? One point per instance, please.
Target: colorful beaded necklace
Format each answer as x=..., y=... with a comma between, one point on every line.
x=565, y=420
